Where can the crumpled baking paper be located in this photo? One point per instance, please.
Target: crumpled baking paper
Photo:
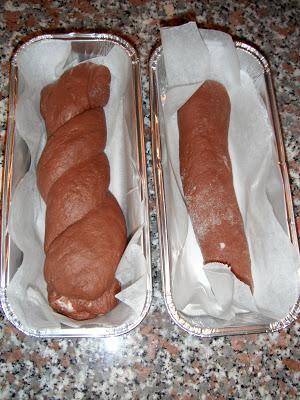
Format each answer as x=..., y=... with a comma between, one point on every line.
x=38, y=65
x=192, y=56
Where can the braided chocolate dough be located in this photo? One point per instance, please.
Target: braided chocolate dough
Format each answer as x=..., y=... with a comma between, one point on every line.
x=85, y=233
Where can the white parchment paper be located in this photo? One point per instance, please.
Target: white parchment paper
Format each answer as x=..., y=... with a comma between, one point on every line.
x=212, y=289
x=38, y=65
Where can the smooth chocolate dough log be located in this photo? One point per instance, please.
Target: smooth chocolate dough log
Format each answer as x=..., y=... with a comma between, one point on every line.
x=206, y=175
x=85, y=233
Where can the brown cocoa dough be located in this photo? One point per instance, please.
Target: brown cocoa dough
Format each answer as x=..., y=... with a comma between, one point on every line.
x=85, y=309
x=82, y=188
x=206, y=175
x=81, y=261
x=81, y=88
x=85, y=233
x=79, y=139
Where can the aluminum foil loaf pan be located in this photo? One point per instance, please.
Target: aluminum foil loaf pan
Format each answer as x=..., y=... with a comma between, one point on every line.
x=200, y=300
x=37, y=63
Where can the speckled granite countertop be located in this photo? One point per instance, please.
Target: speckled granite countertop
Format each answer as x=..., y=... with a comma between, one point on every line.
x=157, y=360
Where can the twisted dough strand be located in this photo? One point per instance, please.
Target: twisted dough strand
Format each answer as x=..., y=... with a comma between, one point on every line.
x=85, y=232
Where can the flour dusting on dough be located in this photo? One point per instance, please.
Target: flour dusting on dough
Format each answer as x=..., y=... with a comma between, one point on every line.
x=65, y=304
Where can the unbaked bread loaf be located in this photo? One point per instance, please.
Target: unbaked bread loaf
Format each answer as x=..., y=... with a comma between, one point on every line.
x=206, y=174
x=85, y=233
